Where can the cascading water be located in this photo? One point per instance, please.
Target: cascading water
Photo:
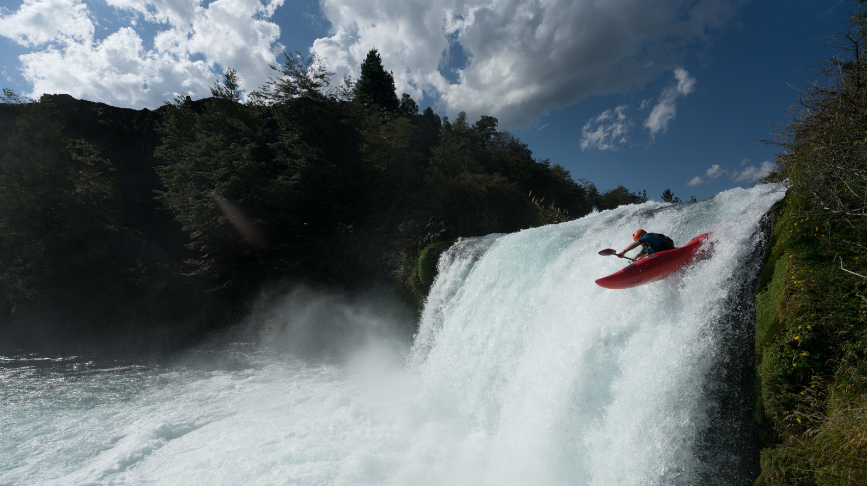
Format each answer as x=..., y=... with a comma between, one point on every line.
x=523, y=372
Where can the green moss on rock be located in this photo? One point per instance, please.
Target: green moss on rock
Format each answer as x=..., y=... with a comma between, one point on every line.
x=427, y=262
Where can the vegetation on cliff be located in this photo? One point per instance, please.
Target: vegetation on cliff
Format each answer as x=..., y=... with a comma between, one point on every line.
x=70, y=269
x=53, y=191
x=347, y=183
x=811, y=312
x=343, y=186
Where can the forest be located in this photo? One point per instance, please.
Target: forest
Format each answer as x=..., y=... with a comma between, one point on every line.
x=344, y=186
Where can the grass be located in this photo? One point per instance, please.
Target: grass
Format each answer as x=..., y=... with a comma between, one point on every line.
x=811, y=352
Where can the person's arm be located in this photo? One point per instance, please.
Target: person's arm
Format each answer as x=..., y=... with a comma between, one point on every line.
x=628, y=248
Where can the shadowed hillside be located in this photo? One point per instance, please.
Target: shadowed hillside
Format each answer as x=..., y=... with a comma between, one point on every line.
x=169, y=221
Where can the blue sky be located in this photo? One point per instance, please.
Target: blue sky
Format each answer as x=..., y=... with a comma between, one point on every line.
x=648, y=94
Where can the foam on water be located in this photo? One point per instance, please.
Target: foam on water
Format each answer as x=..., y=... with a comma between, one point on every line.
x=523, y=371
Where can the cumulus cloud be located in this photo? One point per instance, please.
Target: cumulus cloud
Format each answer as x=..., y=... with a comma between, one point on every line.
x=664, y=110
x=607, y=130
x=714, y=172
x=519, y=59
x=37, y=22
x=176, y=13
x=523, y=58
x=124, y=69
x=749, y=174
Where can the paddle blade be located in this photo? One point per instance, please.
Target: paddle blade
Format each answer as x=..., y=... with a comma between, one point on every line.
x=608, y=251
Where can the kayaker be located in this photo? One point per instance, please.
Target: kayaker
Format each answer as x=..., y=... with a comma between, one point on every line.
x=649, y=242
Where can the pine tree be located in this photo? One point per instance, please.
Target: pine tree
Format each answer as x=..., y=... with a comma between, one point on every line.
x=428, y=128
x=375, y=87
x=408, y=107
x=668, y=196
x=299, y=77
x=229, y=88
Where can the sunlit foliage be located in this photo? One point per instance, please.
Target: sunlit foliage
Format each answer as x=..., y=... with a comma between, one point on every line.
x=811, y=331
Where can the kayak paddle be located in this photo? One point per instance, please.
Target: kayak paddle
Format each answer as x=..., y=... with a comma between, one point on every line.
x=609, y=251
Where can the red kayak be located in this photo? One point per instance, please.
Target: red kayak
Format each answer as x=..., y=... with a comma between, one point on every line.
x=656, y=265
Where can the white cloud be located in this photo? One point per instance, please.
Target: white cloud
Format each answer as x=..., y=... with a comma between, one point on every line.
x=524, y=58
x=751, y=173
x=607, y=130
x=37, y=22
x=665, y=109
x=177, y=13
x=714, y=172
x=117, y=71
x=123, y=69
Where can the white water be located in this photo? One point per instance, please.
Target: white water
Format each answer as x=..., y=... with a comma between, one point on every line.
x=523, y=372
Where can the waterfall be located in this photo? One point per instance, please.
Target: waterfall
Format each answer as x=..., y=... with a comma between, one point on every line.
x=596, y=386
x=522, y=372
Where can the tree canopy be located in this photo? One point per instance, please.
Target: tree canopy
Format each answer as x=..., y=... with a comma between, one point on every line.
x=54, y=192
x=375, y=86
x=300, y=173
x=296, y=179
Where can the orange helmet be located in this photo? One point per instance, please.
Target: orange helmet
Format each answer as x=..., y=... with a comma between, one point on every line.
x=638, y=234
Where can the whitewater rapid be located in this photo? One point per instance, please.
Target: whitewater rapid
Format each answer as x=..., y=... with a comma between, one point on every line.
x=522, y=372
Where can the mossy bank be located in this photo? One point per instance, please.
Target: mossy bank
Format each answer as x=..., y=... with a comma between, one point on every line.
x=811, y=371
x=811, y=308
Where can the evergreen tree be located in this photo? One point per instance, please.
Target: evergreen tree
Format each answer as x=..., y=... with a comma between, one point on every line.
x=299, y=77
x=375, y=86
x=408, y=107
x=428, y=129
x=486, y=127
x=228, y=89
x=669, y=197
